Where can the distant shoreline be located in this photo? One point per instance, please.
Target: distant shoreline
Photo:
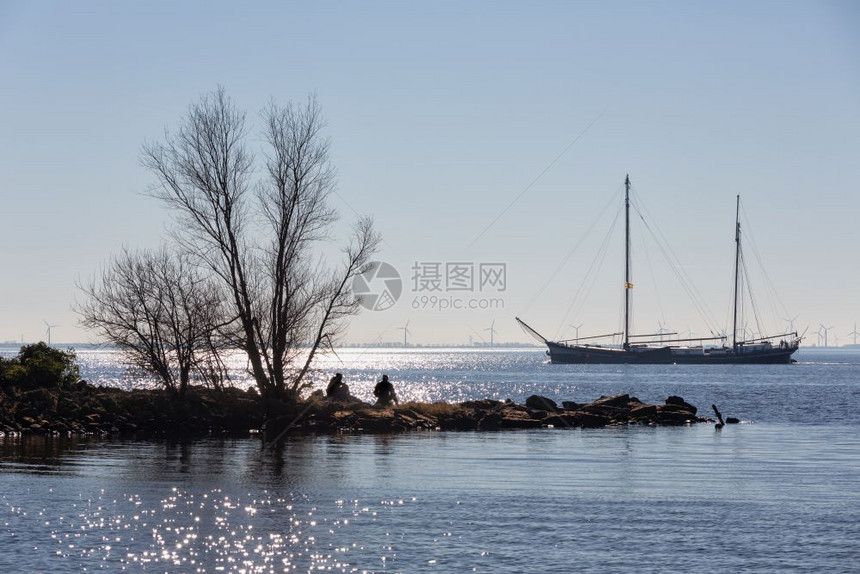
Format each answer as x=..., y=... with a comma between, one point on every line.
x=7, y=345
x=392, y=346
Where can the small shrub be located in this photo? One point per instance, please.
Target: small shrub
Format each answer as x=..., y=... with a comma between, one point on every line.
x=40, y=366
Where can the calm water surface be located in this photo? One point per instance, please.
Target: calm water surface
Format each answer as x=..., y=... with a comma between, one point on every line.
x=778, y=493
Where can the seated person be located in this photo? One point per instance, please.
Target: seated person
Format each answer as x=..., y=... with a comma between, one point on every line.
x=337, y=390
x=384, y=393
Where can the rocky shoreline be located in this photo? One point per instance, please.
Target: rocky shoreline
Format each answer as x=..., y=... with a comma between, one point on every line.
x=489, y=415
x=83, y=409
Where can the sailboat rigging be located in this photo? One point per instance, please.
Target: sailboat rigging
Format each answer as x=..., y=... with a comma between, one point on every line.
x=646, y=349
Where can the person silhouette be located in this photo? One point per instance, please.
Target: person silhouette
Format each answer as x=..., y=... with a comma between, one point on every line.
x=337, y=389
x=384, y=393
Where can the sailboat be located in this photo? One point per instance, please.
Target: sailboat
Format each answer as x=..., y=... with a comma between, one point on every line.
x=649, y=349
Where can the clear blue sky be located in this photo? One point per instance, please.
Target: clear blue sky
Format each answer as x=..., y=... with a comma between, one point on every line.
x=440, y=115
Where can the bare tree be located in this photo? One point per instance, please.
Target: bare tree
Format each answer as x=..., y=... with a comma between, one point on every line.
x=286, y=302
x=210, y=359
x=158, y=309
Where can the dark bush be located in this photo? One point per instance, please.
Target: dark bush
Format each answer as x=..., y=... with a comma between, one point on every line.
x=39, y=366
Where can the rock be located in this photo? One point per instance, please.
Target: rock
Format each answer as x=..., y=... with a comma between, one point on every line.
x=483, y=404
x=673, y=400
x=612, y=414
x=59, y=426
x=668, y=416
x=374, y=420
x=458, y=422
x=542, y=403
x=605, y=410
x=678, y=409
x=412, y=419
x=513, y=420
x=570, y=405
x=613, y=401
x=490, y=421
x=589, y=421
x=561, y=421
x=643, y=411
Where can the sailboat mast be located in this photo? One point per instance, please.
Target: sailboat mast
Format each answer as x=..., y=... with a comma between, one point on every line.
x=627, y=284
x=737, y=269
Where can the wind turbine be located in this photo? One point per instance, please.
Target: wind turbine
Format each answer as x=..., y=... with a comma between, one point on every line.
x=826, y=330
x=406, y=331
x=576, y=329
x=790, y=322
x=854, y=333
x=492, y=331
x=49, y=330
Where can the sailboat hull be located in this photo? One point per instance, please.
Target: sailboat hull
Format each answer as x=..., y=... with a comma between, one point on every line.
x=583, y=354
x=586, y=354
